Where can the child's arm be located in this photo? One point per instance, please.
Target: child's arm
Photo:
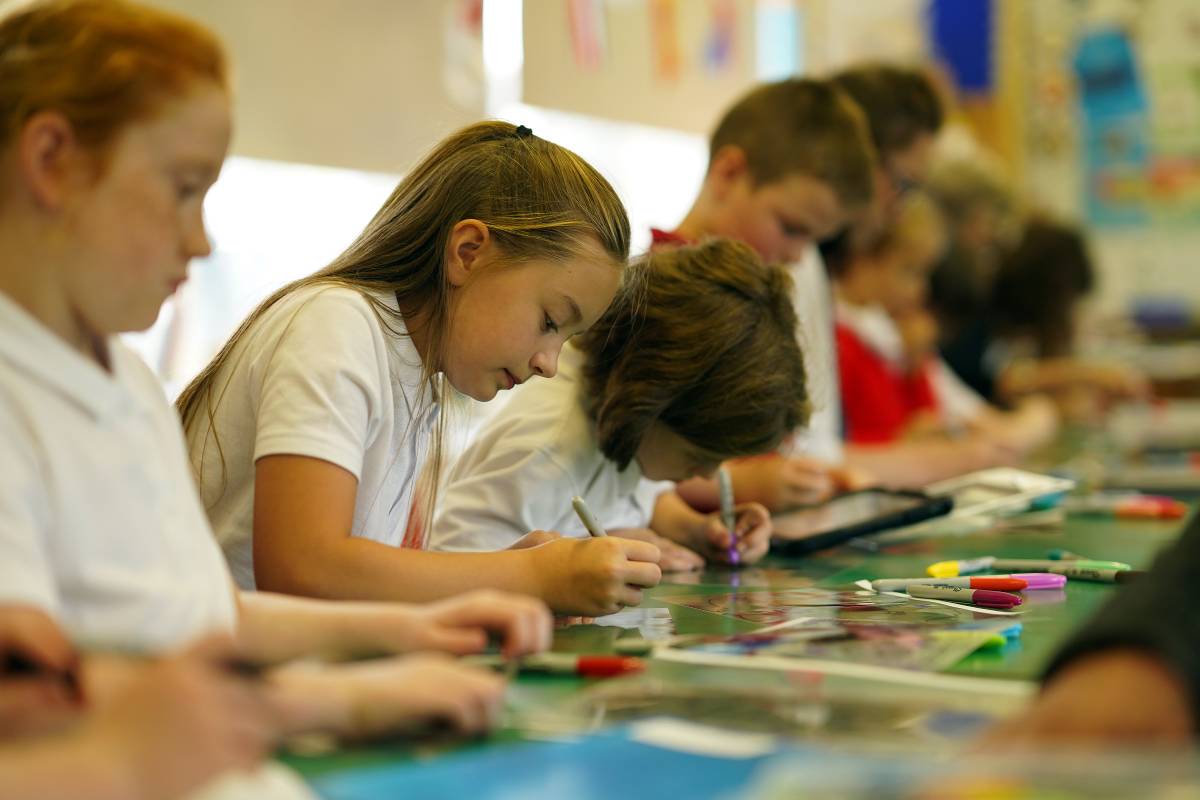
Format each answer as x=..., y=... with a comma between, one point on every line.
x=1030, y=425
x=303, y=510
x=273, y=628
x=674, y=519
x=1109, y=379
x=916, y=464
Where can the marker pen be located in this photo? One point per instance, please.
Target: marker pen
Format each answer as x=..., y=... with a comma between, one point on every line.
x=1002, y=583
x=728, y=515
x=964, y=594
x=585, y=516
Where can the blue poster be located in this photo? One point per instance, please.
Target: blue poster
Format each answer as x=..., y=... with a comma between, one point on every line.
x=1115, y=130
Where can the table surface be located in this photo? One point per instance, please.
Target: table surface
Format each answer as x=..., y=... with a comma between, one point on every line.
x=1048, y=618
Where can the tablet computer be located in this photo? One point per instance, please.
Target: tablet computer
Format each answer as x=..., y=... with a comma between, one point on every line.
x=851, y=515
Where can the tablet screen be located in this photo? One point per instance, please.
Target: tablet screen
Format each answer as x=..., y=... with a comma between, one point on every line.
x=842, y=512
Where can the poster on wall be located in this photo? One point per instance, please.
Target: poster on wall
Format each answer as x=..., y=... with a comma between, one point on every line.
x=1140, y=131
x=1115, y=127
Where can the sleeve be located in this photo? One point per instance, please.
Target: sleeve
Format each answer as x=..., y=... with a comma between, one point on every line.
x=26, y=569
x=958, y=403
x=321, y=393
x=496, y=498
x=1159, y=613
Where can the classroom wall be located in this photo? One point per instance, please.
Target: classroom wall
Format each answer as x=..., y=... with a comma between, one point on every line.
x=654, y=63
x=353, y=83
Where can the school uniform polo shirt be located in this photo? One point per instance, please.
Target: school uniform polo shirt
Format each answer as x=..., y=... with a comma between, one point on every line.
x=100, y=522
x=521, y=470
x=318, y=375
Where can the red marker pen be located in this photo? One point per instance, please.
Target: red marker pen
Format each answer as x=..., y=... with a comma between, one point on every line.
x=964, y=594
x=583, y=665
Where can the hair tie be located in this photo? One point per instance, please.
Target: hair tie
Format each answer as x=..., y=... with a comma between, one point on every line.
x=522, y=132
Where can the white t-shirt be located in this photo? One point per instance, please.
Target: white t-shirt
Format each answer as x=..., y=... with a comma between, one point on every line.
x=317, y=375
x=522, y=469
x=100, y=525
x=812, y=298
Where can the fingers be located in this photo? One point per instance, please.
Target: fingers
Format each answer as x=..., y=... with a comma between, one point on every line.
x=523, y=623
x=639, y=551
x=475, y=702
x=641, y=574
x=34, y=704
x=32, y=635
x=626, y=596
x=676, y=558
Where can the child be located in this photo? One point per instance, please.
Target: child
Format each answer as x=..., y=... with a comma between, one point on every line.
x=309, y=429
x=789, y=164
x=1022, y=342
x=115, y=122
x=892, y=384
x=698, y=366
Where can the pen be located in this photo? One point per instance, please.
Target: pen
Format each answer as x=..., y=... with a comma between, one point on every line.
x=582, y=665
x=1098, y=575
x=1003, y=583
x=1143, y=506
x=1040, y=565
x=964, y=594
x=950, y=569
x=728, y=516
x=1041, y=580
x=585, y=516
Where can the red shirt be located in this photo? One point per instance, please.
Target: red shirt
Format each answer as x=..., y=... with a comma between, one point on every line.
x=878, y=402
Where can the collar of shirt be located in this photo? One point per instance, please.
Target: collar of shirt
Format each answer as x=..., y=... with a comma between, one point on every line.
x=405, y=352
x=661, y=238
x=875, y=328
x=32, y=348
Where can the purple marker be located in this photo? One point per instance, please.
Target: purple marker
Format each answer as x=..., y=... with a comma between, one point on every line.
x=728, y=515
x=1041, y=580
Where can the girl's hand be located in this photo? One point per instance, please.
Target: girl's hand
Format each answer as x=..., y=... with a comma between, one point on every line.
x=405, y=695
x=674, y=557
x=595, y=576
x=752, y=534
x=461, y=625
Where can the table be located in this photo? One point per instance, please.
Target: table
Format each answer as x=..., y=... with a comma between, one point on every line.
x=1047, y=620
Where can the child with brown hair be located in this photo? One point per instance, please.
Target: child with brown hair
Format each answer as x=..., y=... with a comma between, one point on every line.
x=790, y=163
x=695, y=365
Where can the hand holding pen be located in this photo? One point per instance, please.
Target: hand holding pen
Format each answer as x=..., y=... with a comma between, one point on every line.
x=742, y=534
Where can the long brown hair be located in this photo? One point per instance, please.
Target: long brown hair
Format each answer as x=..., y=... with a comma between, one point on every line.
x=703, y=342
x=539, y=201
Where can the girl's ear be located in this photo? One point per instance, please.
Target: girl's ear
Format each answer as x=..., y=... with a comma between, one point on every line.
x=49, y=159
x=467, y=249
